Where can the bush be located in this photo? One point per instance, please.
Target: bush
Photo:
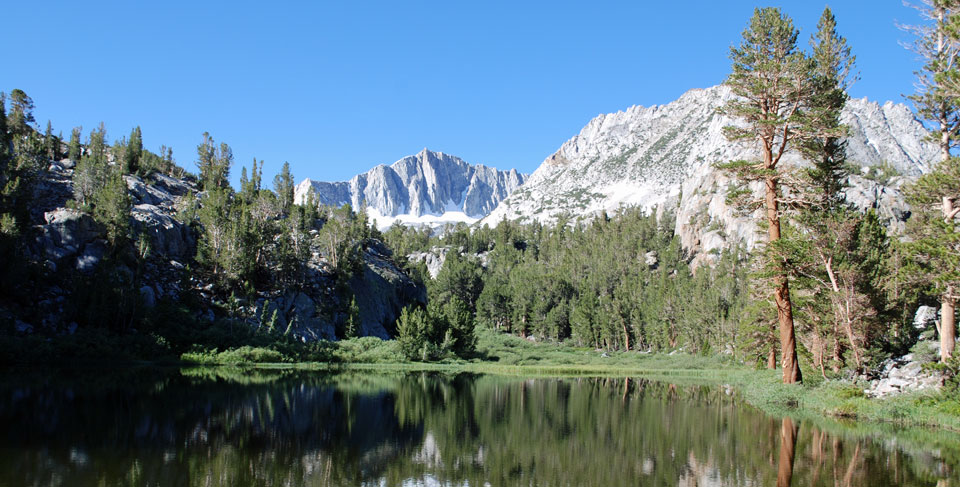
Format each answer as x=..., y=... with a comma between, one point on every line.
x=244, y=354
x=368, y=350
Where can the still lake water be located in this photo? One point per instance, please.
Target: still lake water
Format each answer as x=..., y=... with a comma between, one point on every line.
x=209, y=427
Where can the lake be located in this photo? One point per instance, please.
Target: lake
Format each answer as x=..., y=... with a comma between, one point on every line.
x=227, y=426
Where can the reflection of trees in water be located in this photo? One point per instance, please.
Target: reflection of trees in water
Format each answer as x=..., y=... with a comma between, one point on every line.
x=186, y=428
x=629, y=431
x=228, y=427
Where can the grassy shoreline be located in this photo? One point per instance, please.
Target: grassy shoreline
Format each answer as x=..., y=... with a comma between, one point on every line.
x=509, y=355
x=817, y=399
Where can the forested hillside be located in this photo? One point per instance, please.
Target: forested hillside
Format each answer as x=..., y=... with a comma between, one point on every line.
x=115, y=251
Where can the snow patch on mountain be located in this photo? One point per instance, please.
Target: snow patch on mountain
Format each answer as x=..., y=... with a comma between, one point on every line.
x=428, y=188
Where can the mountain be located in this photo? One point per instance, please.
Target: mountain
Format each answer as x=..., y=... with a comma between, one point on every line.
x=427, y=188
x=664, y=155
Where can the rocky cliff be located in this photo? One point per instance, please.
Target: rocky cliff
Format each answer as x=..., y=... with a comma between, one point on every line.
x=68, y=242
x=665, y=155
x=426, y=188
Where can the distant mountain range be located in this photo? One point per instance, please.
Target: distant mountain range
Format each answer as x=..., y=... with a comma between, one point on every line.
x=665, y=155
x=428, y=188
x=659, y=156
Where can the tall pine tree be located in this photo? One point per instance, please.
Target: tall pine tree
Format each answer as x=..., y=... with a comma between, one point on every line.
x=773, y=81
x=935, y=246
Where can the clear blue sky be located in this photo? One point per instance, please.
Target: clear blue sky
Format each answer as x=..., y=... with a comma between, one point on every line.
x=338, y=87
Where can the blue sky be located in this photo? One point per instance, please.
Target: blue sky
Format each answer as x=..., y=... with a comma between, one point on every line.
x=336, y=88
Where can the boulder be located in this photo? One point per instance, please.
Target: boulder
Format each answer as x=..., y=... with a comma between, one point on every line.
x=66, y=232
x=433, y=259
x=149, y=194
x=168, y=237
x=92, y=255
x=650, y=259
x=925, y=317
x=170, y=185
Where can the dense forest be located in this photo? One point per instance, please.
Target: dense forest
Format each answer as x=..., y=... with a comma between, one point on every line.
x=829, y=288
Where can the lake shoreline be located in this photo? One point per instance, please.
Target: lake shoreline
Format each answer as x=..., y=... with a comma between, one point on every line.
x=507, y=355
x=835, y=400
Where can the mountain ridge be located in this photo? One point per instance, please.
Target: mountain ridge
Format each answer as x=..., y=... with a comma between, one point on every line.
x=425, y=188
x=664, y=155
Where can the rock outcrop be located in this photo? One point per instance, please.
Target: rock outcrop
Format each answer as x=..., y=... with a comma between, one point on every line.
x=70, y=240
x=904, y=374
x=426, y=188
x=664, y=156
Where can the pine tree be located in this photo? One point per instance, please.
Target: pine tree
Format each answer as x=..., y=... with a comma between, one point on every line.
x=774, y=85
x=283, y=187
x=22, y=157
x=933, y=227
x=839, y=309
x=20, y=119
x=214, y=163
x=5, y=146
x=833, y=65
x=351, y=328
x=74, y=149
x=50, y=143
x=133, y=152
x=92, y=172
x=112, y=206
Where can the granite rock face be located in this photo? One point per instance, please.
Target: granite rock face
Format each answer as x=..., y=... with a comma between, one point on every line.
x=422, y=188
x=664, y=156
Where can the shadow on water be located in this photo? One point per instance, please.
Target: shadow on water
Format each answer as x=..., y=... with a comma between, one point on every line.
x=228, y=426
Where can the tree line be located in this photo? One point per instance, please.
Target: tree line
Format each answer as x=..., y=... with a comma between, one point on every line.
x=828, y=284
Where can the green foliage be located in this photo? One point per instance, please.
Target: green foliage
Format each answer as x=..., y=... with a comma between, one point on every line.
x=459, y=324
x=242, y=355
x=460, y=278
x=22, y=157
x=351, y=328
x=111, y=208
x=133, y=153
x=283, y=187
x=74, y=149
x=935, y=239
x=414, y=330
x=92, y=171
x=214, y=164
x=368, y=350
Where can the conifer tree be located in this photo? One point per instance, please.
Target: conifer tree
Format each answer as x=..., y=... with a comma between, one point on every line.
x=773, y=81
x=20, y=118
x=214, y=163
x=283, y=187
x=933, y=227
x=112, y=206
x=133, y=152
x=5, y=147
x=6, y=224
x=74, y=150
x=50, y=142
x=91, y=173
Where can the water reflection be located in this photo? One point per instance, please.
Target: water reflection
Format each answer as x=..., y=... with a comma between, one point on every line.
x=229, y=427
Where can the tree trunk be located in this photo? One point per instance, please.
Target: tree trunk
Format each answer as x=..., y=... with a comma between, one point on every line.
x=788, y=340
x=948, y=305
x=772, y=357
x=948, y=326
